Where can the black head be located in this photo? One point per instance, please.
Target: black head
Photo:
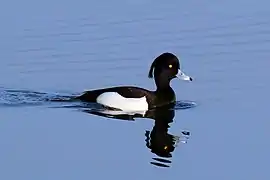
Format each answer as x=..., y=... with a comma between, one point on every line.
x=166, y=64
x=166, y=67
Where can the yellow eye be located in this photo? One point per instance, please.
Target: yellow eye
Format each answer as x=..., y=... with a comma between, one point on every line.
x=170, y=66
x=165, y=147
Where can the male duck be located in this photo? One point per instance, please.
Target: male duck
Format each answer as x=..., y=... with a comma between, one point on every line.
x=129, y=98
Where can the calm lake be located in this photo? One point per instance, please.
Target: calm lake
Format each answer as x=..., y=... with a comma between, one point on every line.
x=56, y=49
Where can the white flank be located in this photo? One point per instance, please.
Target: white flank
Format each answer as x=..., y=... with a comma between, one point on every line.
x=115, y=100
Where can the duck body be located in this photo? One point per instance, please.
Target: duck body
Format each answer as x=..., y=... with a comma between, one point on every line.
x=130, y=98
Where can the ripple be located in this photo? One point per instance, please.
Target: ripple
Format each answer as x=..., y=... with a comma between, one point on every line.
x=185, y=104
x=18, y=98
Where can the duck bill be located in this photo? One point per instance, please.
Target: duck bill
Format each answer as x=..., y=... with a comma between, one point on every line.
x=183, y=76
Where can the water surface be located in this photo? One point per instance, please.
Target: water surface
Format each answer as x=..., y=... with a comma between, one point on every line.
x=64, y=48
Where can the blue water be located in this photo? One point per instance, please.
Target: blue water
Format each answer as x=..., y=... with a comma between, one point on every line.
x=59, y=48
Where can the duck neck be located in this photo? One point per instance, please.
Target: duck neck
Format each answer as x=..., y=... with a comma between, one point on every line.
x=163, y=84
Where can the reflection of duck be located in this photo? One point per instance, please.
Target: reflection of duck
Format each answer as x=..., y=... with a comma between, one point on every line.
x=158, y=140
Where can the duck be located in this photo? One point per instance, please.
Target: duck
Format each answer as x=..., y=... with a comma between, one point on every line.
x=163, y=69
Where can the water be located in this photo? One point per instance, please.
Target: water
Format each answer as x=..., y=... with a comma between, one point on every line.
x=54, y=49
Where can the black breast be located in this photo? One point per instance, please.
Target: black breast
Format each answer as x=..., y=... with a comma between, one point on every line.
x=163, y=98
